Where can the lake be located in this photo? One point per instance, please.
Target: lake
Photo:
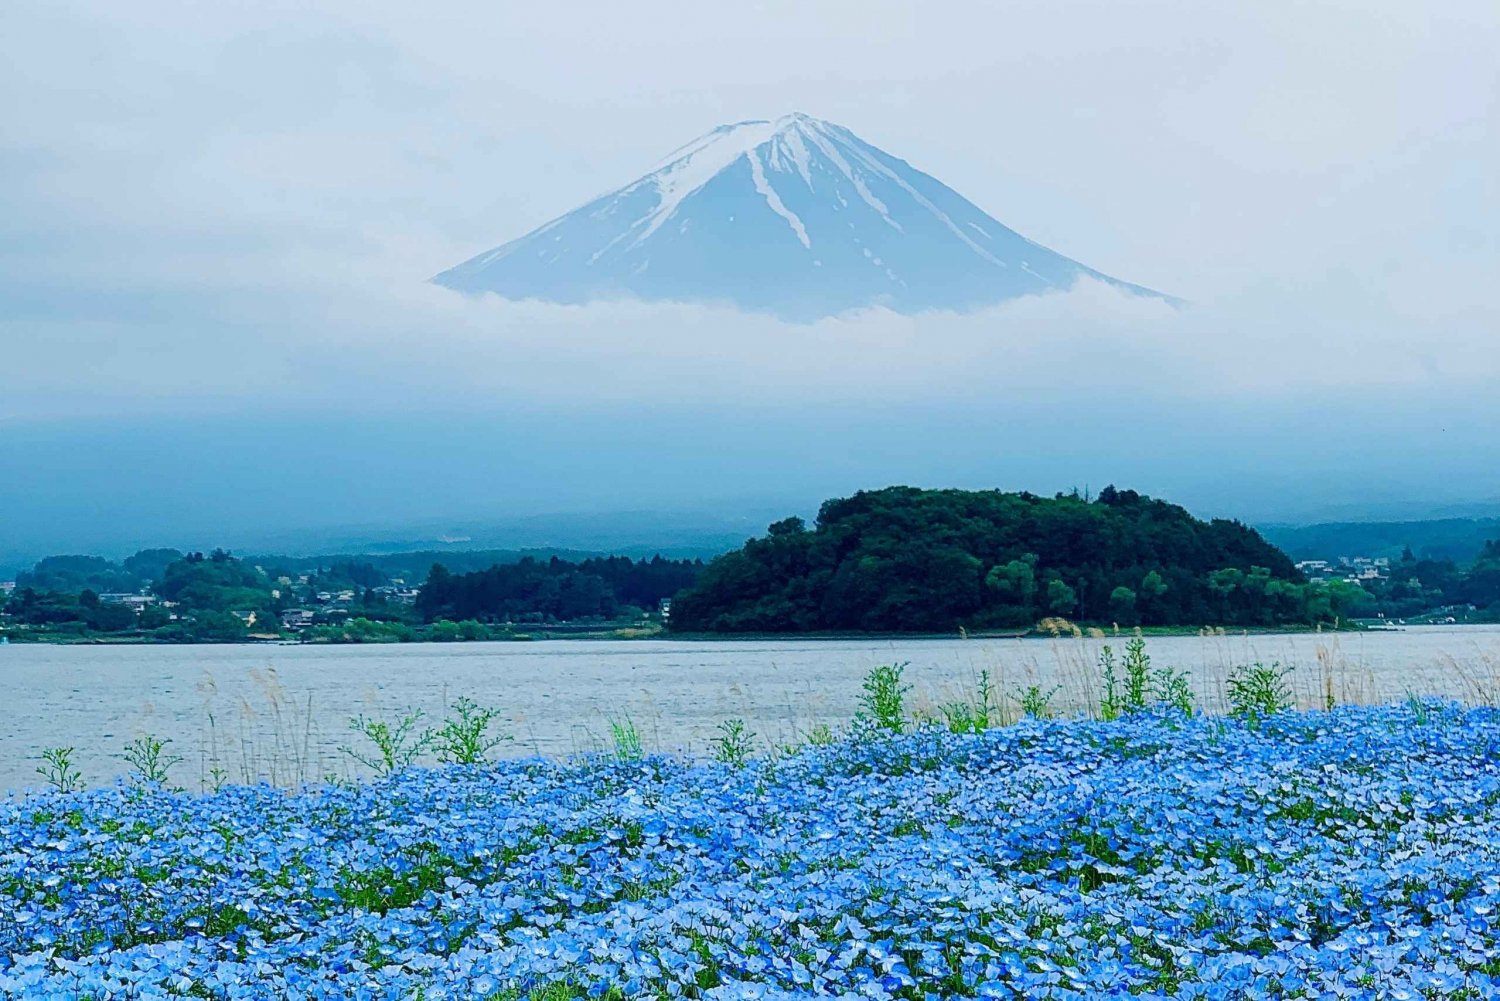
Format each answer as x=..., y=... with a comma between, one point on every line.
x=280, y=712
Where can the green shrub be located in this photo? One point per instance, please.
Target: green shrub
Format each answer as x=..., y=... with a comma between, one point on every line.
x=1259, y=691
x=883, y=699
x=1112, y=705
x=1169, y=687
x=1141, y=686
x=734, y=744
x=972, y=717
x=464, y=737
x=395, y=746
x=1036, y=703
x=148, y=759
x=821, y=735
x=960, y=717
x=1137, y=674
x=58, y=770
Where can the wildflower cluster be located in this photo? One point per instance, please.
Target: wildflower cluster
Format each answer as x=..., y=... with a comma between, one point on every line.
x=1345, y=854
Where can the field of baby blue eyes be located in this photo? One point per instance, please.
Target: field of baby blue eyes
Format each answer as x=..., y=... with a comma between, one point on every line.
x=1347, y=854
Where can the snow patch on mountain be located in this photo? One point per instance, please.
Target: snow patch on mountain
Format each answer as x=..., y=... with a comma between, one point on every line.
x=758, y=174
x=748, y=203
x=690, y=167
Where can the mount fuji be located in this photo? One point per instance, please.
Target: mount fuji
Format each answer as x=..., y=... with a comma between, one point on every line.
x=798, y=217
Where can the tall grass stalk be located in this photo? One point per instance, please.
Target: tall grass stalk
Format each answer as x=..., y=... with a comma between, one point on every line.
x=627, y=739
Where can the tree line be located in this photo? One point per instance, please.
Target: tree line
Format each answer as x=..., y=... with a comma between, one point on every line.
x=899, y=559
x=218, y=597
x=555, y=590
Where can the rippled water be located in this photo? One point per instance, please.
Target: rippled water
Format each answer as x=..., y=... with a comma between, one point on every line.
x=280, y=712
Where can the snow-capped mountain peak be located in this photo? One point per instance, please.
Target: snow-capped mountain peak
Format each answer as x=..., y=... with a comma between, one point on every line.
x=797, y=217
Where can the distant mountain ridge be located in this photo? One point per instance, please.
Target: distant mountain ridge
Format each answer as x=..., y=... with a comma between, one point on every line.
x=1456, y=539
x=797, y=217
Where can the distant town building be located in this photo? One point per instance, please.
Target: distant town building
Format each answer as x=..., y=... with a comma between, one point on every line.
x=134, y=601
x=297, y=619
x=397, y=592
x=1354, y=569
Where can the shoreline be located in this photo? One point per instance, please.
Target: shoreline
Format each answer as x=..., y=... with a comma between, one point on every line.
x=626, y=635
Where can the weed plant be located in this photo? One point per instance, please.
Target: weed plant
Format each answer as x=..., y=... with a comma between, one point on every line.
x=973, y=715
x=149, y=760
x=1259, y=691
x=58, y=771
x=1036, y=703
x=735, y=744
x=464, y=737
x=883, y=698
x=393, y=746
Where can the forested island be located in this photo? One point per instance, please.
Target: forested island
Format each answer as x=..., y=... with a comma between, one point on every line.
x=904, y=559
x=899, y=559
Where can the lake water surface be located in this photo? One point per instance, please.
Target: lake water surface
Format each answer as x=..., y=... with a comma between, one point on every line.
x=280, y=712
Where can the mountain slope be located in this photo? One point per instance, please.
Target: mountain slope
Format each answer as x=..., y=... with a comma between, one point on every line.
x=797, y=217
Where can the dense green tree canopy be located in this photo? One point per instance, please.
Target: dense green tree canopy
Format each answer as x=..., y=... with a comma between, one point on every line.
x=81, y=612
x=215, y=583
x=904, y=559
x=553, y=590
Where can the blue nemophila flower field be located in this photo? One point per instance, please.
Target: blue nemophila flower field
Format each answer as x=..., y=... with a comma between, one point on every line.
x=1347, y=854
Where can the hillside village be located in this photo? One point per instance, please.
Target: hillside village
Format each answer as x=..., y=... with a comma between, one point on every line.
x=188, y=597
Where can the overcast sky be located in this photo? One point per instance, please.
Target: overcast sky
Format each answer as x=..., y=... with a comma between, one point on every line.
x=234, y=207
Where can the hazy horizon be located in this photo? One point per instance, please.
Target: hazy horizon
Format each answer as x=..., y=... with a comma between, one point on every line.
x=110, y=487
